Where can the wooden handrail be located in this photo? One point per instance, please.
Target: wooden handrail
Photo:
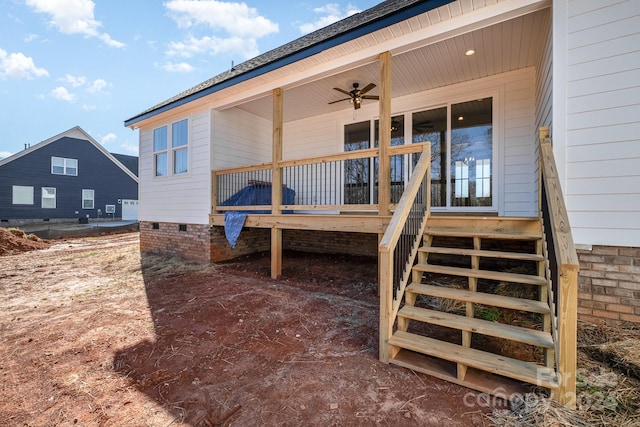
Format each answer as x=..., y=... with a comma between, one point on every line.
x=250, y=168
x=388, y=305
x=566, y=261
x=349, y=155
x=403, y=208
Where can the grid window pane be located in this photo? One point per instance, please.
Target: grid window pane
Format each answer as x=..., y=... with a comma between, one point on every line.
x=161, y=164
x=57, y=165
x=160, y=139
x=179, y=134
x=71, y=167
x=180, y=161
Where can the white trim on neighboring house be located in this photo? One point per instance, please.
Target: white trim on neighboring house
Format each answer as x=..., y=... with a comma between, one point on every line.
x=75, y=132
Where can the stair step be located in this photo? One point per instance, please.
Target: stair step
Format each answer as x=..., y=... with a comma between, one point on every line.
x=481, y=253
x=501, y=235
x=475, y=379
x=471, y=324
x=506, y=366
x=482, y=274
x=528, y=305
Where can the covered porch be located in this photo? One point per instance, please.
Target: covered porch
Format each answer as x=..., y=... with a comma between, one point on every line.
x=443, y=144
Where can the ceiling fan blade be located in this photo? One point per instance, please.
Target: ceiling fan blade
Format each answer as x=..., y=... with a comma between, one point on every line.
x=370, y=97
x=367, y=88
x=342, y=91
x=340, y=100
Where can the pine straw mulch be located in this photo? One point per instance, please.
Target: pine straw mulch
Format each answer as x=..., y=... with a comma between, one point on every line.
x=608, y=385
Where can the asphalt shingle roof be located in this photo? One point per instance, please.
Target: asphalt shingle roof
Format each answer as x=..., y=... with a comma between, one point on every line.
x=307, y=45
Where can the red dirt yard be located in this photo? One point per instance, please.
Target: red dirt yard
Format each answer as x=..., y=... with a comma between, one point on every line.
x=94, y=335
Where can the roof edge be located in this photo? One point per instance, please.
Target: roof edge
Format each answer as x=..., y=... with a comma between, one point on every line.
x=66, y=133
x=358, y=31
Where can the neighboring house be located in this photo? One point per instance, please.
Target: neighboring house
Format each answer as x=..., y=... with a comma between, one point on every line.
x=66, y=177
x=476, y=80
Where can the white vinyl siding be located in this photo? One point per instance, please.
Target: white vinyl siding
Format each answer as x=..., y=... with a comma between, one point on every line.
x=22, y=195
x=602, y=148
x=183, y=198
x=48, y=198
x=235, y=143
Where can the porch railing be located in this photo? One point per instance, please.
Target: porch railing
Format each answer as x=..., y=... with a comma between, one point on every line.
x=561, y=272
x=399, y=246
x=343, y=181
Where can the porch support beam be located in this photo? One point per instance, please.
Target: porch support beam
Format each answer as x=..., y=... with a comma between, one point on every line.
x=384, y=169
x=276, y=182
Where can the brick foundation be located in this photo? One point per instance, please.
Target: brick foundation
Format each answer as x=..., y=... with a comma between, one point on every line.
x=192, y=242
x=202, y=243
x=609, y=285
x=331, y=242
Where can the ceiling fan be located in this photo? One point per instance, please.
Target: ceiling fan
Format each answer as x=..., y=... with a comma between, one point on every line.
x=356, y=95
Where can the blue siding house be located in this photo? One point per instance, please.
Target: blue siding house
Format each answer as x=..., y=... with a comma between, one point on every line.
x=67, y=177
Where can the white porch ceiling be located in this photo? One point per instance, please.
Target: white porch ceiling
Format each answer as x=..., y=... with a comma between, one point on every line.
x=507, y=46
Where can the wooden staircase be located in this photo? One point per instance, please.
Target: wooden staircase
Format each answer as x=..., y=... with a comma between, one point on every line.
x=494, y=334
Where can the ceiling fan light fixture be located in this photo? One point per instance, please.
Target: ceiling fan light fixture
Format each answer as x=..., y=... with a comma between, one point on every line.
x=470, y=52
x=356, y=102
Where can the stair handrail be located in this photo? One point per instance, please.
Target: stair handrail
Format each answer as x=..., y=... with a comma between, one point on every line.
x=409, y=220
x=563, y=270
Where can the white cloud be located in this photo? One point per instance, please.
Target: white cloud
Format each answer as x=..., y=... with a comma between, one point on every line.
x=108, y=138
x=19, y=66
x=88, y=107
x=30, y=38
x=98, y=85
x=237, y=26
x=73, y=17
x=248, y=48
x=330, y=13
x=232, y=17
x=63, y=94
x=74, y=81
x=5, y=154
x=179, y=67
x=130, y=148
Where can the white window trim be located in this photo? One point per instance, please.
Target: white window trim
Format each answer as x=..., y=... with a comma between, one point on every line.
x=174, y=150
x=42, y=197
x=170, y=150
x=64, y=166
x=93, y=198
x=165, y=151
x=21, y=188
x=497, y=93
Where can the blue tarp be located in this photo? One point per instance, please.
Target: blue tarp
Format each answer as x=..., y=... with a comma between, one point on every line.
x=233, y=223
x=254, y=194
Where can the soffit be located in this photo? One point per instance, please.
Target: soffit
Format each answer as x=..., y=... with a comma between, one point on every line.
x=506, y=46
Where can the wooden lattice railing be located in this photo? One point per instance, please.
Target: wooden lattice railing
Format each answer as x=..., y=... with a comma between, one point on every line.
x=399, y=245
x=561, y=271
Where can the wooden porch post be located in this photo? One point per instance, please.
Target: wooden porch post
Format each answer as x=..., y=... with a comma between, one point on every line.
x=276, y=183
x=384, y=199
x=384, y=168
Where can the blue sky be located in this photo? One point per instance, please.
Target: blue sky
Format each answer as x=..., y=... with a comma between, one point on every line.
x=97, y=63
